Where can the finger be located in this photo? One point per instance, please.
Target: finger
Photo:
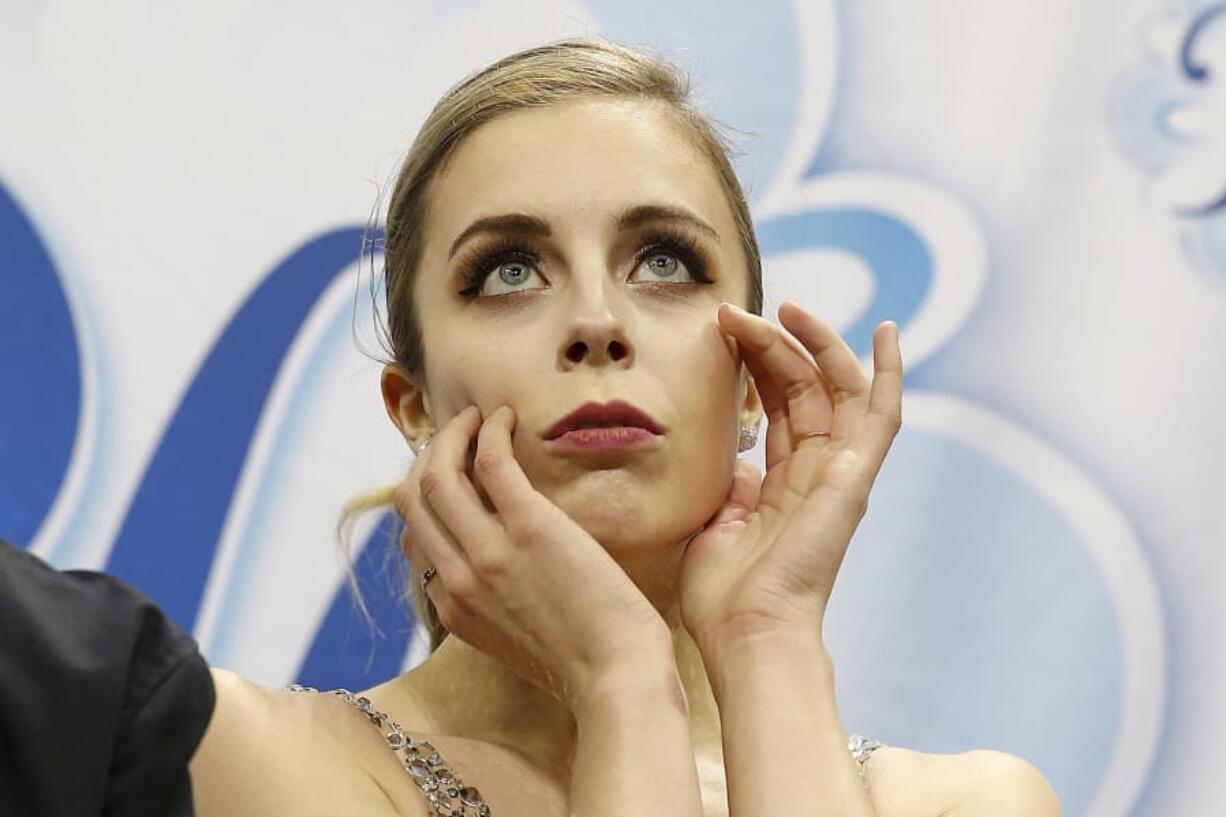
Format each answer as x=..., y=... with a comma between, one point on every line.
x=508, y=487
x=774, y=406
x=834, y=357
x=412, y=551
x=779, y=439
x=418, y=562
x=424, y=536
x=503, y=479
x=746, y=485
x=789, y=369
x=452, y=497
x=742, y=493
x=885, y=397
x=426, y=544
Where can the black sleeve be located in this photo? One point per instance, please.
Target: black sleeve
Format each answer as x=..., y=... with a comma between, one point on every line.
x=103, y=699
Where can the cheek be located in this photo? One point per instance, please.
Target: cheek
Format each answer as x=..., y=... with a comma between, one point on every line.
x=708, y=380
x=690, y=489
x=478, y=376
x=706, y=388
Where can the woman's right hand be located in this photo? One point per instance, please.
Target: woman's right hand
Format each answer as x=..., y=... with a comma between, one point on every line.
x=523, y=583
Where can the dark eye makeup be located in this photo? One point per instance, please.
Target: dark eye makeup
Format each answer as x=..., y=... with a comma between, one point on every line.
x=481, y=262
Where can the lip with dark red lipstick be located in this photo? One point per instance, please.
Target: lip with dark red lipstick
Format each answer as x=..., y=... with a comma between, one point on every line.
x=604, y=426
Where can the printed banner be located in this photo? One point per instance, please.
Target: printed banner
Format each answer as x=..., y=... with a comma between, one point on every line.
x=1035, y=192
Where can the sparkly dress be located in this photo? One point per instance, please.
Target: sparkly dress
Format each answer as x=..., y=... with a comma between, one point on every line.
x=446, y=793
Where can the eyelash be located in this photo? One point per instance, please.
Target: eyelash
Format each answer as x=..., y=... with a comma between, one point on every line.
x=478, y=266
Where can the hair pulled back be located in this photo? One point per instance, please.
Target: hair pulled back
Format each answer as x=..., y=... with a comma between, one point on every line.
x=541, y=76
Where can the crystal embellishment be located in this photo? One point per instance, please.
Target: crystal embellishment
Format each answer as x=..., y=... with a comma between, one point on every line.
x=424, y=763
x=860, y=748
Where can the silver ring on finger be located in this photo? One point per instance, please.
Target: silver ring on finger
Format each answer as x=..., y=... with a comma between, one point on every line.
x=426, y=575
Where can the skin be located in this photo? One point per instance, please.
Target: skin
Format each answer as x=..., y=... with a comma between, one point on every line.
x=669, y=592
x=591, y=324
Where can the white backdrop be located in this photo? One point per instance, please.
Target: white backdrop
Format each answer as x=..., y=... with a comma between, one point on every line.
x=1035, y=191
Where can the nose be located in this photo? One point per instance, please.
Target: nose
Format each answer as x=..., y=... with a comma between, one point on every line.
x=596, y=345
x=595, y=334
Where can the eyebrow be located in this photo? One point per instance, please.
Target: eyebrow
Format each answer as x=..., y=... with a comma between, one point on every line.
x=529, y=225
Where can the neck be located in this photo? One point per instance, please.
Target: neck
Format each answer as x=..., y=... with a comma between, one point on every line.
x=462, y=692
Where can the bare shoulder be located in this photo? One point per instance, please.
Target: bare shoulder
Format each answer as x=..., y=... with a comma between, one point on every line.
x=270, y=752
x=978, y=783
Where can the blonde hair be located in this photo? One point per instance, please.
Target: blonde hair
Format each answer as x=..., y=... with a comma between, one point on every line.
x=541, y=76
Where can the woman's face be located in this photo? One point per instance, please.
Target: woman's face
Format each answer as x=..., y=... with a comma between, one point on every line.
x=604, y=285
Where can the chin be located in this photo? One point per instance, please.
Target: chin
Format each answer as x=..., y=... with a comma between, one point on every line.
x=605, y=521
x=628, y=533
x=628, y=514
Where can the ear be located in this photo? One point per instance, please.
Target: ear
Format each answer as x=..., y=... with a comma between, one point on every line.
x=407, y=405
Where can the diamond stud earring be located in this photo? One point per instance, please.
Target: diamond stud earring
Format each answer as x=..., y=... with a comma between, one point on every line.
x=748, y=438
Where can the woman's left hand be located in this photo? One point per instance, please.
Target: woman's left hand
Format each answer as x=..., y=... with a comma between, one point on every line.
x=767, y=560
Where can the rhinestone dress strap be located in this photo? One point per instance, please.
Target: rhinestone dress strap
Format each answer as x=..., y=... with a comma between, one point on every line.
x=860, y=748
x=444, y=790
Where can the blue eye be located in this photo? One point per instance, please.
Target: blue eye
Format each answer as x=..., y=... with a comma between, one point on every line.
x=513, y=273
x=661, y=252
x=665, y=250
x=513, y=263
x=668, y=269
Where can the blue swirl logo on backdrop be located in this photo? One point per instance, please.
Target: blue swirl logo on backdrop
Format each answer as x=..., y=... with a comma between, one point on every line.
x=1169, y=115
x=168, y=541
x=998, y=555
x=40, y=363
